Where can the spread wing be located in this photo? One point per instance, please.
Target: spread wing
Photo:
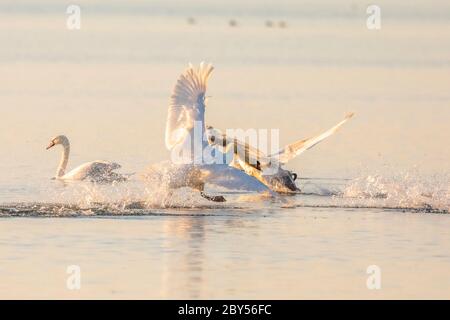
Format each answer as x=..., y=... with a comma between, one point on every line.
x=245, y=155
x=186, y=103
x=294, y=149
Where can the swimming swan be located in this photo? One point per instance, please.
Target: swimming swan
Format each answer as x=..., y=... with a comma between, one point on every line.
x=95, y=171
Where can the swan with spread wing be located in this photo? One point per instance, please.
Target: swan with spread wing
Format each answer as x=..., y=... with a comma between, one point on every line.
x=194, y=161
x=268, y=168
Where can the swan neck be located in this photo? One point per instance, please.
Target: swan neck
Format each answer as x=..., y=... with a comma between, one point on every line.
x=64, y=160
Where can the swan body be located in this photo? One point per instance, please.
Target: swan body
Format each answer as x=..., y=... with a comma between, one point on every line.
x=173, y=176
x=186, y=135
x=268, y=169
x=95, y=171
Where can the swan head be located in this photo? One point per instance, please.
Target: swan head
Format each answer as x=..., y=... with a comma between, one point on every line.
x=61, y=139
x=215, y=136
x=211, y=134
x=283, y=181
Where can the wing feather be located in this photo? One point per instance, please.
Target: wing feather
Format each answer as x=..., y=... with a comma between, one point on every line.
x=187, y=96
x=295, y=149
x=247, y=155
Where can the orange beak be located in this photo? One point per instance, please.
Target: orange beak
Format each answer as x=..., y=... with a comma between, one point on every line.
x=52, y=144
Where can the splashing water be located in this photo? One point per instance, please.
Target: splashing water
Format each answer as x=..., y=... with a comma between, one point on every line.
x=404, y=191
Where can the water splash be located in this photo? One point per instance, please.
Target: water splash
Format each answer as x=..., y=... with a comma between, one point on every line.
x=135, y=197
x=403, y=191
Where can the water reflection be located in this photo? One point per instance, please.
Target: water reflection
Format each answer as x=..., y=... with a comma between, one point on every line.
x=183, y=257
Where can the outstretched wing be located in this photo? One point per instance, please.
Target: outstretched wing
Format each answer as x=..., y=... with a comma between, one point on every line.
x=245, y=155
x=186, y=102
x=294, y=149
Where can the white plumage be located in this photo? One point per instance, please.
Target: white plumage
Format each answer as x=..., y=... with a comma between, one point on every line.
x=268, y=168
x=187, y=104
x=186, y=133
x=293, y=150
x=94, y=171
x=97, y=171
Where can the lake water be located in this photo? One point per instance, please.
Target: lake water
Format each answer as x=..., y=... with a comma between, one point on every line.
x=376, y=193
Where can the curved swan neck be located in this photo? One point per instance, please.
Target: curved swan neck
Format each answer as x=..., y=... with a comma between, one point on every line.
x=64, y=160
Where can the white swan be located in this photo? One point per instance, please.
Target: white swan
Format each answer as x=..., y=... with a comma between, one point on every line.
x=193, y=161
x=268, y=169
x=95, y=171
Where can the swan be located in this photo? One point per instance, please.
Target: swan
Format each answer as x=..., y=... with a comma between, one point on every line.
x=268, y=169
x=185, y=135
x=95, y=171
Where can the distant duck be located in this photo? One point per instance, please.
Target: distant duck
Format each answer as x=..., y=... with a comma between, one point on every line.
x=282, y=24
x=269, y=24
x=191, y=21
x=232, y=23
x=95, y=171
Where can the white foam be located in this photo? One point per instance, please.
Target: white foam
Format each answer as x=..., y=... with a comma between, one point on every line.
x=404, y=190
